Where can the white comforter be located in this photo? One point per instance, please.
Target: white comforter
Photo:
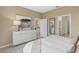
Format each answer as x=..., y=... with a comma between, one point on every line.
x=51, y=44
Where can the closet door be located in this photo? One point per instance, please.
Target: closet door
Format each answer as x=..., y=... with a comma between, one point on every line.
x=43, y=27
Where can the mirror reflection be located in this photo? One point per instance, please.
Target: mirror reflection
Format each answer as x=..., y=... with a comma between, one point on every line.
x=64, y=26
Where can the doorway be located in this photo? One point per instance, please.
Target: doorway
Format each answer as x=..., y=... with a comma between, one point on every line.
x=64, y=24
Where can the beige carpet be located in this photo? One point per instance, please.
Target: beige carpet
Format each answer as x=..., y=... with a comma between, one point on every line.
x=15, y=49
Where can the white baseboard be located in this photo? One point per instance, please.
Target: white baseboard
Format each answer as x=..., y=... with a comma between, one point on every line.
x=5, y=46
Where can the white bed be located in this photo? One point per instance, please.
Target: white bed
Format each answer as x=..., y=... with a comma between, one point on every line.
x=51, y=44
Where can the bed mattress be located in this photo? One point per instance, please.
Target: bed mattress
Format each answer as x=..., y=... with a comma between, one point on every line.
x=51, y=44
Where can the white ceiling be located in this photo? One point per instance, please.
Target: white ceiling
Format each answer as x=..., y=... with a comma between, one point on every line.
x=40, y=9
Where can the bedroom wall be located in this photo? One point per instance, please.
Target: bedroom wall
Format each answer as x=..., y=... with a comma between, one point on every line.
x=7, y=16
x=27, y=12
x=75, y=24
x=74, y=11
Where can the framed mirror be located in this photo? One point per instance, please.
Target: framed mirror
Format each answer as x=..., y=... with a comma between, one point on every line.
x=52, y=25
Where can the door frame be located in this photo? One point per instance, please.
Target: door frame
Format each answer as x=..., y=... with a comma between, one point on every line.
x=60, y=17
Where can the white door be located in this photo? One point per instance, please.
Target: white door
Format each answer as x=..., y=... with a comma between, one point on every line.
x=43, y=27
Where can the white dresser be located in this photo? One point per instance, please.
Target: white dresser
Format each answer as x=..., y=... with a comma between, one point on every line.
x=23, y=36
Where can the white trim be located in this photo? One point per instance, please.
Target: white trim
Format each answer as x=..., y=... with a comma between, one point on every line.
x=5, y=46
x=70, y=25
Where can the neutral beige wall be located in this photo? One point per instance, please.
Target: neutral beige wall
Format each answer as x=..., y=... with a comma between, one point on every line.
x=7, y=15
x=27, y=12
x=61, y=11
x=75, y=25
x=74, y=11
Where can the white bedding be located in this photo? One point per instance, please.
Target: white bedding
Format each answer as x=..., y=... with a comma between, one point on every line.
x=51, y=44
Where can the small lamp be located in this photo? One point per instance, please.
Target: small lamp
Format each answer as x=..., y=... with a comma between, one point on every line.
x=17, y=23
